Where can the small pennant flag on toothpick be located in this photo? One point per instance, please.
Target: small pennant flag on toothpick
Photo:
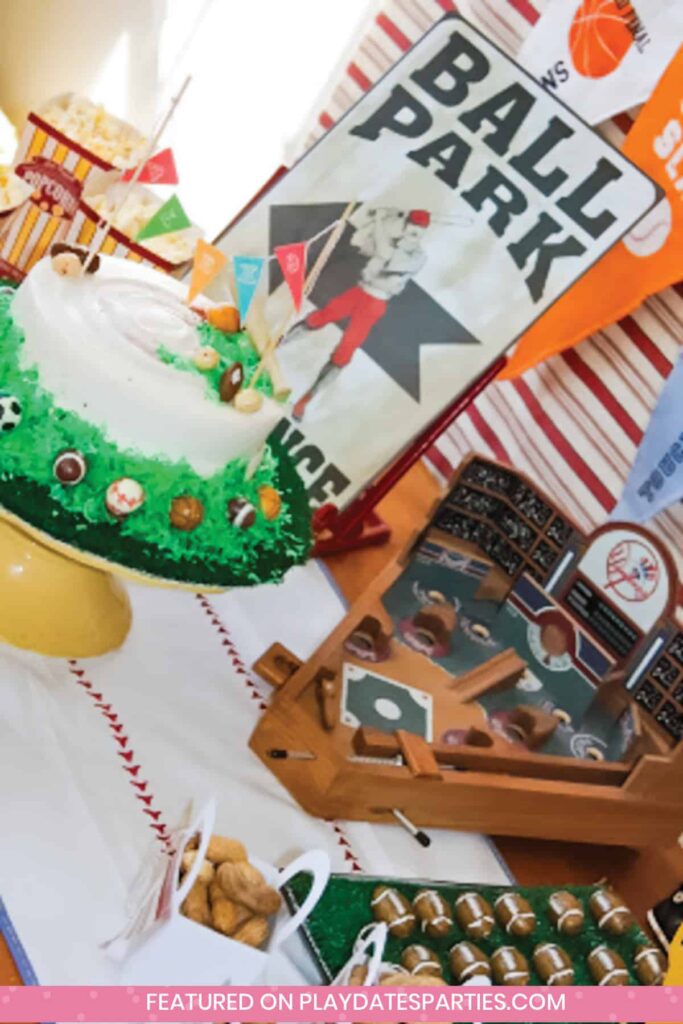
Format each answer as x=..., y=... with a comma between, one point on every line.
x=158, y=170
x=292, y=260
x=247, y=274
x=170, y=217
x=208, y=263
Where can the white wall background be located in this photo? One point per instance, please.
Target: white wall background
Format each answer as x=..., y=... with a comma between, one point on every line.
x=257, y=66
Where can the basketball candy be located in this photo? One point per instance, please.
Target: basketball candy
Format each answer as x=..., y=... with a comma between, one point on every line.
x=600, y=36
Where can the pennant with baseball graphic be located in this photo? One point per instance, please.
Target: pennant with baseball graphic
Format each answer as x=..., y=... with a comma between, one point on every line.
x=656, y=478
x=208, y=263
x=158, y=170
x=247, y=275
x=169, y=217
x=602, y=56
x=292, y=260
x=649, y=257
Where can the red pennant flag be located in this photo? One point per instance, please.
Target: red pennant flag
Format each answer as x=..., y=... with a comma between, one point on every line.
x=159, y=170
x=292, y=260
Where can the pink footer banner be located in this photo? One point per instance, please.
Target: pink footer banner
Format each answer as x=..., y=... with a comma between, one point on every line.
x=245, y=1004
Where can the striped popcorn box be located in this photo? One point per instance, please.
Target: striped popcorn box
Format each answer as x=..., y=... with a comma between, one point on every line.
x=40, y=220
x=81, y=231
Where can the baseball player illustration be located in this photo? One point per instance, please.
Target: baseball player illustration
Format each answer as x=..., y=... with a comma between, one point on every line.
x=393, y=242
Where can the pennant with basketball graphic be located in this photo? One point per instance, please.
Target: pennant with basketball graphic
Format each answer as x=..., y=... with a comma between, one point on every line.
x=208, y=263
x=292, y=260
x=247, y=275
x=650, y=256
x=656, y=479
x=159, y=170
x=603, y=56
x=169, y=217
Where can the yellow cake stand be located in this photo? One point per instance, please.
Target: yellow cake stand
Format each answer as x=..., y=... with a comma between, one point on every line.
x=58, y=601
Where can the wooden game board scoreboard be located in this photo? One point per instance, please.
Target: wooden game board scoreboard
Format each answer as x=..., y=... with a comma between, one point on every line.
x=506, y=674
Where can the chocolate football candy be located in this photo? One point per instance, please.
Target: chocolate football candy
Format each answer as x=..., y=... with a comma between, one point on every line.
x=70, y=467
x=515, y=914
x=610, y=912
x=231, y=381
x=270, y=501
x=553, y=964
x=509, y=966
x=467, y=961
x=241, y=513
x=391, y=906
x=433, y=913
x=421, y=960
x=474, y=915
x=607, y=967
x=566, y=912
x=186, y=513
x=650, y=965
x=123, y=497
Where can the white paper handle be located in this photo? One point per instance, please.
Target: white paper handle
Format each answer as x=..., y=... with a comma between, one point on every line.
x=317, y=862
x=202, y=825
x=373, y=936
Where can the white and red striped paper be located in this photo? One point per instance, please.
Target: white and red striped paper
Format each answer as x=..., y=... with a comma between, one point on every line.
x=574, y=423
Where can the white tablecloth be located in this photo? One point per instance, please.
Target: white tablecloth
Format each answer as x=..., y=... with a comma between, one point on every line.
x=97, y=757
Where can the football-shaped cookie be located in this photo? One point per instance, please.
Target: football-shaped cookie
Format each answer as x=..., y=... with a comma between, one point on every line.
x=391, y=906
x=610, y=912
x=515, y=914
x=566, y=912
x=421, y=960
x=433, y=913
x=474, y=915
x=553, y=964
x=467, y=961
x=606, y=966
x=509, y=966
x=650, y=965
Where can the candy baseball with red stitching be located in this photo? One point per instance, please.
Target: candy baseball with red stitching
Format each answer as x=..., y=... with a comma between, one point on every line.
x=124, y=496
x=610, y=912
x=607, y=967
x=468, y=961
x=566, y=912
x=515, y=914
x=553, y=964
x=421, y=960
x=391, y=906
x=509, y=966
x=474, y=915
x=433, y=913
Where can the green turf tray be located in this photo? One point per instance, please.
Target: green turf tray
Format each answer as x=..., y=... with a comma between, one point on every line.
x=344, y=908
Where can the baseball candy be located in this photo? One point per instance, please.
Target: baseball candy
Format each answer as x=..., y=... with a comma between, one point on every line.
x=123, y=497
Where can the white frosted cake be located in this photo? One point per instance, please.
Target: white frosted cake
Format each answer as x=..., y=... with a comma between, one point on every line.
x=119, y=431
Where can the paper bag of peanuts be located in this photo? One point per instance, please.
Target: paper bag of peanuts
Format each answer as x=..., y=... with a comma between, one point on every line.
x=68, y=143
x=214, y=915
x=168, y=252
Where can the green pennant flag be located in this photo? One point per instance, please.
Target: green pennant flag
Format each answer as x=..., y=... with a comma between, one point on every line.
x=169, y=217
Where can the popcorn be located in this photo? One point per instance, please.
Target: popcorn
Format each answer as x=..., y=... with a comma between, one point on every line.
x=13, y=191
x=138, y=208
x=99, y=132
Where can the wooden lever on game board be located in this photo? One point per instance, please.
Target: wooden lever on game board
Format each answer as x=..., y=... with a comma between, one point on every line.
x=532, y=724
x=277, y=665
x=499, y=673
x=327, y=692
x=501, y=758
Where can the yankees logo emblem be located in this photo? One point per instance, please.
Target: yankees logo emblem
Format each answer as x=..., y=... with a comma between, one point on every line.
x=633, y=570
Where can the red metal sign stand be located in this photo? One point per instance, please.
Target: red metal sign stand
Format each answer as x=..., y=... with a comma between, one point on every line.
x=359, y=525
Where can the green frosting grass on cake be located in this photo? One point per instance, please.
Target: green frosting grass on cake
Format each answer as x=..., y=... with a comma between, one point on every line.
x=215, y=554
x=232, y=348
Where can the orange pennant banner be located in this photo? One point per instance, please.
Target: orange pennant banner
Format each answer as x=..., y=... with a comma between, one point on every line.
x=208, y=262
x=648, y=259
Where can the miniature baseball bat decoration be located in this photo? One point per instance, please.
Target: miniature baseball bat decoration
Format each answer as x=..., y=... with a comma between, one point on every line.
x=489, y=200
